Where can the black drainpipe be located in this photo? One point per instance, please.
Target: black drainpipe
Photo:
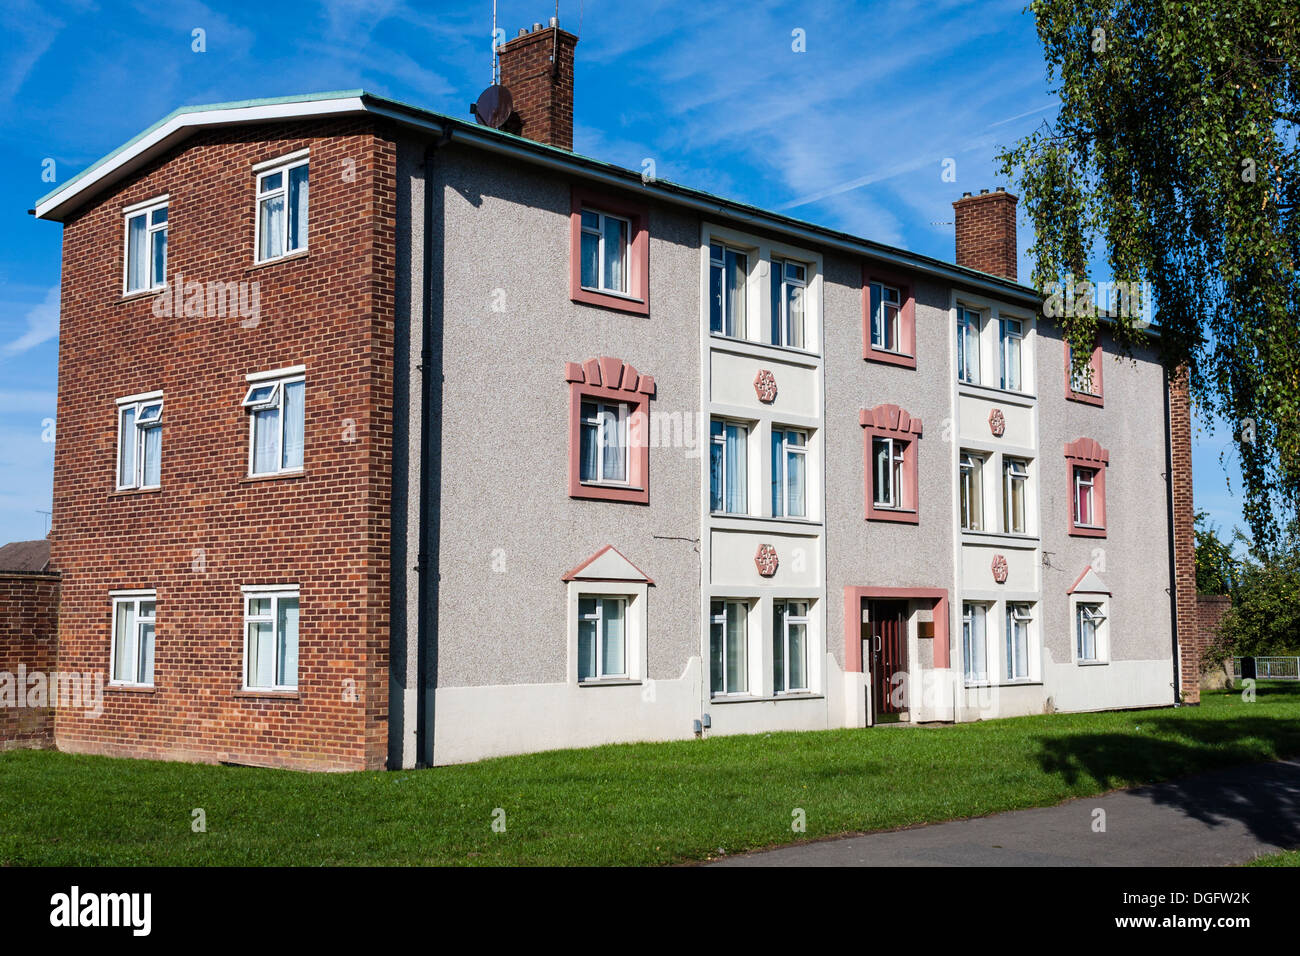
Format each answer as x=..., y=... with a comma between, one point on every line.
x=430, y=475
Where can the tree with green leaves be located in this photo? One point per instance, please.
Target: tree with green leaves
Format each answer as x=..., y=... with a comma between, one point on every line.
x=1216, y=566
x=1175, y=155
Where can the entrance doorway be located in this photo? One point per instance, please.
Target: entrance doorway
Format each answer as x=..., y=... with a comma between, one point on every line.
x=885, y=633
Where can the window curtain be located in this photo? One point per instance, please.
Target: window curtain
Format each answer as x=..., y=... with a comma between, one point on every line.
x=798, y=638
x=293, y=424
x=272, y=225
x=778, y=477
x=612, y=439
x=737, y=273
x=882, y=493
x=976, y=654
x=126, y=449
x=298, y=207
x=778, y=645
x=152, y=438
x=122, y=626
x=261, y=654
x=590, y=253
x=615, y=254
x=737, y=663
x=795, y=478
x=137, y=253
x=717, y=635
x=288, y=650
x=160, y=257
x=794, y=315
x=1011, y=360
x=266, y=437
x=613, y=640
x=145, y=652
x=737, y=473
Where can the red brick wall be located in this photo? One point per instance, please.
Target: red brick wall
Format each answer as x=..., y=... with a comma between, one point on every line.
x=29, y=612
x=541, y=90
x=1210, y=611
x=1186, y=618
x=211, y=529
x=986, y=233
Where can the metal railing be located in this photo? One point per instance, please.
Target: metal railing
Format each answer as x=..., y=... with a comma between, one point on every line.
x=1272, y=668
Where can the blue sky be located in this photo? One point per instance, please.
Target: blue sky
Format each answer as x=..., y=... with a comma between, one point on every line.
x=852, y=133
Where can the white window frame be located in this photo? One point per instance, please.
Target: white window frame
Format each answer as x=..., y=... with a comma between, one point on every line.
x=725, y=305
x=806, y=619
x=780, y=306
x=599, y=618
x=970, y=612
x=895, y=324
x=1009, y=475
x=275, y=593
x=744, y=610
x=275, y=399
x=970, y=488
x=134, y=598
x=633, y=592
x=146, y=209
x=1019, y=613
x=1078, y=481
x=969, y=371
x=282, y=164
x=137, y=404
x=1004, y=338
x=897, y=455
x=1079, y=601
x=621, y=414
x=599, y=233
x=721, y=440
x=782, y=467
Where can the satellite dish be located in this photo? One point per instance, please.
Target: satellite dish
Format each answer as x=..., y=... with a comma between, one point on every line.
x=494, y=106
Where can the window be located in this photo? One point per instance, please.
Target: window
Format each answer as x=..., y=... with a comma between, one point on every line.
x=146, y=247
x=974, y=648
x=892, y=486
x=605, y=239
x=609, y=252
x=1019, y=618
x=1086, y=463
x=972, y=492
x=282, y=209
x=728, y=648
x=133, y=637
x=728, y=272
x=886, y=304
x=789, y=473
x=609, y=448
x=789, y=282
x=888, y=318
x=271, y=639
x=887, y=458
x=275, y=425
x=790, y=646
x=604, y=442
x=139, y=441
x=1085, y=513
x=602, y=637
x=1015, y=475
x=1083, y=385
x=728, y=467
x=1089, y=619
x=968, y=346
x=1012, y=340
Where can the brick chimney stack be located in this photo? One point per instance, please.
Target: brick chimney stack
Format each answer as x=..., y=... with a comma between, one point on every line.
x=537, y=69
x=986, y=232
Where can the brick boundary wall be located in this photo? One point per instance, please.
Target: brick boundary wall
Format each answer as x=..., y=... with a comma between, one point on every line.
x=210, y=529
x=1186, y=616
x=1210, y=611
x=29, y=612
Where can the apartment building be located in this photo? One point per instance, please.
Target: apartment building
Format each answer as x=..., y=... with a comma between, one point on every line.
x=391, y=439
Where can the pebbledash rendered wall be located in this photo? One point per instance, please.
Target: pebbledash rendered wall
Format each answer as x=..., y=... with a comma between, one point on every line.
x=210, y=529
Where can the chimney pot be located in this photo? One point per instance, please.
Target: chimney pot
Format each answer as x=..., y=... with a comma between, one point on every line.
x=536, y=27
x=555, y=22
x=983, y=192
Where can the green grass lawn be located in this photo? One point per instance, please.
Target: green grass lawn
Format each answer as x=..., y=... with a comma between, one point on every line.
x=627, y=804
x=1285, y=858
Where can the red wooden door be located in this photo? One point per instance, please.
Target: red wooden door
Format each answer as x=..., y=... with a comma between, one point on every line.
x=888, y=658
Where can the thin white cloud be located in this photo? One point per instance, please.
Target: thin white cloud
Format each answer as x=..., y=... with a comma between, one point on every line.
x=42, y=325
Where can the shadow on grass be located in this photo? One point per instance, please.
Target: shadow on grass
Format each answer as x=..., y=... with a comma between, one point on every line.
x=1265, y=797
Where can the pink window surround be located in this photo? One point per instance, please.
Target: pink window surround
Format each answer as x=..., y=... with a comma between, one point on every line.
x=906, y=356
x=638, y=299
x=611, y=380
x=890, y=421
x=1087, y=453
x=1095, y=364
x=853, y=598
